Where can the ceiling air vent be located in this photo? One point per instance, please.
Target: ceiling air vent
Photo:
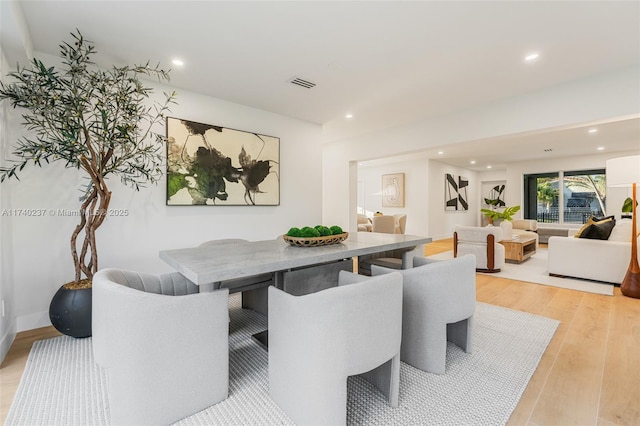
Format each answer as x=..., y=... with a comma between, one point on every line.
x=548, y=150
x=302, y=83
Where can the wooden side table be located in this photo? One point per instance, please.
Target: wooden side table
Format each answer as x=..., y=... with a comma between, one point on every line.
x=519, y=250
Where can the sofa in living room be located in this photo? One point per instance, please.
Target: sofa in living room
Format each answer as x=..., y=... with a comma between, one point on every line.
x=525, y=228
x=583, y=256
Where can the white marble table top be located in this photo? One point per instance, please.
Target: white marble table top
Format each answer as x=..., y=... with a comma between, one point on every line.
x=204, y=265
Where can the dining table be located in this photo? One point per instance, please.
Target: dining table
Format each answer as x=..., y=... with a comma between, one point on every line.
x=215, y=263
x=208, y=264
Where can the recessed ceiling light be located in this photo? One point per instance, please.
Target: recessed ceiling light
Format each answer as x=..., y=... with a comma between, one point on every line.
x=440, y=152
x=472, y=161
x=593, y=130
x=177, y=62
x=600, y=148
x=349, y=116
x=531, y=57
x=488, y=167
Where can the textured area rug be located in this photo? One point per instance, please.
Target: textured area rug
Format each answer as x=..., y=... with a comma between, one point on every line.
x=534, y=270
x=62, y=385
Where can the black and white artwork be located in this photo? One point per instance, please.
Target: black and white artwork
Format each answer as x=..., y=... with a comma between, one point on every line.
x=456, y=193
x=495, y=196
x=215, y=165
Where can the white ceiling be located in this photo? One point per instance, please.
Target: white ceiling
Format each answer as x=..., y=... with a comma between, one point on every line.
x=388, y=63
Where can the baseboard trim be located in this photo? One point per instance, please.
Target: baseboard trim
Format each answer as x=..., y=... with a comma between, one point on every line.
x=32, y=321
x=7, y=340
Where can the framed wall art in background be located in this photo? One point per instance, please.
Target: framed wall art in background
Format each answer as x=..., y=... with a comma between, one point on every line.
x=455, y=193
x=393, y=190
x=214, y=165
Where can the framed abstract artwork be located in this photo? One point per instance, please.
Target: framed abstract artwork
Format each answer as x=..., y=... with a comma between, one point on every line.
x=493, y=196
x=455, y=193
x=214, y=165
x=393, y=190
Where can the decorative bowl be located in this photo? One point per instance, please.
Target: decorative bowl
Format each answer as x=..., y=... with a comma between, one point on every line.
x=316, y=241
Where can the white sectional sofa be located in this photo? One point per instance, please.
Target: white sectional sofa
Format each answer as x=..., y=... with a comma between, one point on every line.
x=599, y=260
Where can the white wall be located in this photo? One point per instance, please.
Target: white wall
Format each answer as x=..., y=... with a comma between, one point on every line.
x=41, y=259
x=442, y=222
x=7, y=315
x=424, y=202
x=415, y=184
x=589, y=100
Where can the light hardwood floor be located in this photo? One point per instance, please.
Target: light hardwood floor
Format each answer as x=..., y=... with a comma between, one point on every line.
x=589, y=374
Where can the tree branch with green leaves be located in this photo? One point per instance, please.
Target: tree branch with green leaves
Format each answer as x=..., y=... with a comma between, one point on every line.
x=95, y=120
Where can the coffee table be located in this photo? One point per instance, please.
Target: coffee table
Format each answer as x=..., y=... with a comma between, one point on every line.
x=519, y=250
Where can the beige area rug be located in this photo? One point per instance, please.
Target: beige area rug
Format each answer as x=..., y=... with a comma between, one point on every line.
x=534, y=270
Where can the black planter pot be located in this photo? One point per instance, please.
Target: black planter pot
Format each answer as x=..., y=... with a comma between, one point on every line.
x=70, y=311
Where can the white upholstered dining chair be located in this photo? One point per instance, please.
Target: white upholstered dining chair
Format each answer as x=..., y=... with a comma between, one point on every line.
x=164, y=345
x=317, y=340
x=439, y=300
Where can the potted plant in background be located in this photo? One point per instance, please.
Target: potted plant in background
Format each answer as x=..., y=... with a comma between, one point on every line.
x=506, y=216
x=97, y=121
x=627, y=208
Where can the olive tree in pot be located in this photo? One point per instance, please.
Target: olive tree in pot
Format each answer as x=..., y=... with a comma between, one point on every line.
x=95, y=120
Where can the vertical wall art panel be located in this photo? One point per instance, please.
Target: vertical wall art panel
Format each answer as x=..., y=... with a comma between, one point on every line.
x=215, y=165
x=463, y=194
x=456, y=196
x=450, y=192
x=393, y=190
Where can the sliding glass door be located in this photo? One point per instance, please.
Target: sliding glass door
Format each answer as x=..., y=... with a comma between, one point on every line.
x=565, y=197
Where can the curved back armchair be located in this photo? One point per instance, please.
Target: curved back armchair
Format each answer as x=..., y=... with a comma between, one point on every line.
x=394, y=259
x=317, y=340
x=483, y=243
x=401, y=223
x=364, y=223
x=439, y=299
x=164, y=345
x=385, y=224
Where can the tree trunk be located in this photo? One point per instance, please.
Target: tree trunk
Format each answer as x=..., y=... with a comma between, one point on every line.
x=93, y=212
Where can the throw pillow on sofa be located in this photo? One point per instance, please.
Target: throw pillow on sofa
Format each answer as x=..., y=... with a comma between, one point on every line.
x=590, y=222
x=599, y=230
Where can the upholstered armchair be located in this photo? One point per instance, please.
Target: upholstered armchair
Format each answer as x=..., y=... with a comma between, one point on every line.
x=163, y=344
x=483, y=243
x=385, y=224
x=394, y=259
x=317, y=340
x=401, y=223
x=253, y=288
x=439, y=299
x=364, y=223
